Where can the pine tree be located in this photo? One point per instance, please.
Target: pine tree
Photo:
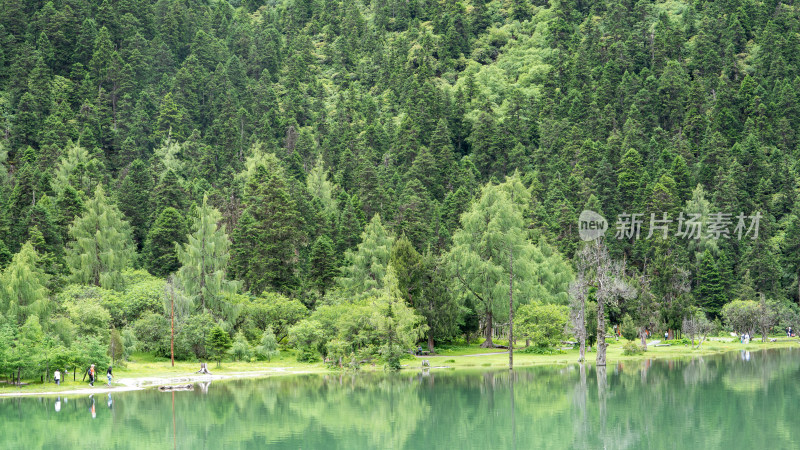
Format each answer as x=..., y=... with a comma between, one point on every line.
x=204, y=260
x=415, y=213
x=323, y=264
x=348, y=225
x=267, y=236
x=218, y=344
x=629, y=180
x=680, y=173
x=437, y=303
x=101, y=246
x=5, y=255
x=168, y=193
x=168, y=232
x=134, y=197
x=709, y=292
x=407, y=265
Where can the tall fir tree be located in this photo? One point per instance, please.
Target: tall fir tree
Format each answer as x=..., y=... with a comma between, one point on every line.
x=134, y=198
x=204, y=260
x=267, y=237
x=168, y=232
x=101, y=246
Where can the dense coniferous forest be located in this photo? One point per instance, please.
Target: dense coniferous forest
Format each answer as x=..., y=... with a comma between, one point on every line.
x=351, y=178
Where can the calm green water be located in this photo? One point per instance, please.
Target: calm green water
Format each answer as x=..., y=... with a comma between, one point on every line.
x=726, y=401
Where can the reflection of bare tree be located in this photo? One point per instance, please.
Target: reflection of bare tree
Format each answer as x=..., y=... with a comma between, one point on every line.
x=602, y=393
x=204, y=386
x=581, y=423
x=697, y=372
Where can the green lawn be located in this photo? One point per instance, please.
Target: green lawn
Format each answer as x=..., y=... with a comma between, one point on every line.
x=453, y=357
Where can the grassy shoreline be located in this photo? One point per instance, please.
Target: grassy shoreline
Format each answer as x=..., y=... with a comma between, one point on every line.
x=143, y=373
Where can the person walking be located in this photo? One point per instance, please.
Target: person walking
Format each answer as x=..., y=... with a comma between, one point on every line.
x=57, y=377
x=109, y=375
x=91, y=374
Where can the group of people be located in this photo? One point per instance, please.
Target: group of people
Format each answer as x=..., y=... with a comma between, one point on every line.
x=91, y=372
x=93, y=375
x=745, y=338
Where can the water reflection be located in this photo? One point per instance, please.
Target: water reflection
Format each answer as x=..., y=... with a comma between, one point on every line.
x=699, y=403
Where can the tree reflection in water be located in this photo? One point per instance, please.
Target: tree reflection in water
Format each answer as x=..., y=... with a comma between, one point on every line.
x=709, y=402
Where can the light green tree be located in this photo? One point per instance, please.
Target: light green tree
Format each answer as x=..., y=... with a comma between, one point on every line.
x=23, y=286
x=494, y=262
x=365, y=268
x=321, y=188
x=204, y=260
x=101, y=246
x=78, y=169
x=241, y=348
x=397, y=326
x=268, y=346
x=542, y=323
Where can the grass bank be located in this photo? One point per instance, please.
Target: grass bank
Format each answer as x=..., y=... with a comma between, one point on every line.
x=145, y=371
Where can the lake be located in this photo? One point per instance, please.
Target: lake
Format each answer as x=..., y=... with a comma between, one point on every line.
x=736, y=400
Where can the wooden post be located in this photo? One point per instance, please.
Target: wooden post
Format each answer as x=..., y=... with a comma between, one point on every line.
x=172, y=328
x=511, y=309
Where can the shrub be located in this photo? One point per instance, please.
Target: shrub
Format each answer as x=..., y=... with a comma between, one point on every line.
x=629, y=331
x=218, y=344
x=632, y=348
x=152, y=334
x=307, y=354
x=542, y=324
x=536, y=350
x=268, y=345
x=142, y=297
x=241, y=348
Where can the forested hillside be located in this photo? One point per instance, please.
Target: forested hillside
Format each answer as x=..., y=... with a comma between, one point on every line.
x=327, y=169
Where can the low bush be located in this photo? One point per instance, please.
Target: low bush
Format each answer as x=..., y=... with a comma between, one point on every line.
x=536, y=350
x=632, y=348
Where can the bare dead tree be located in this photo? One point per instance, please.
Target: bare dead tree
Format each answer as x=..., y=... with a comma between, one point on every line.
x=596, y=269
x=577, y=292
x=697, y=325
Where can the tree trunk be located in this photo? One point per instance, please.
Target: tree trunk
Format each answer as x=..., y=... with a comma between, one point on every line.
x=582, y=332
x=488, y=329
x=601, y=334
x=510, y=310
x=172, y=328
x=204, y=369
x=19, y=373
x=430, y=342
x=643, y=335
